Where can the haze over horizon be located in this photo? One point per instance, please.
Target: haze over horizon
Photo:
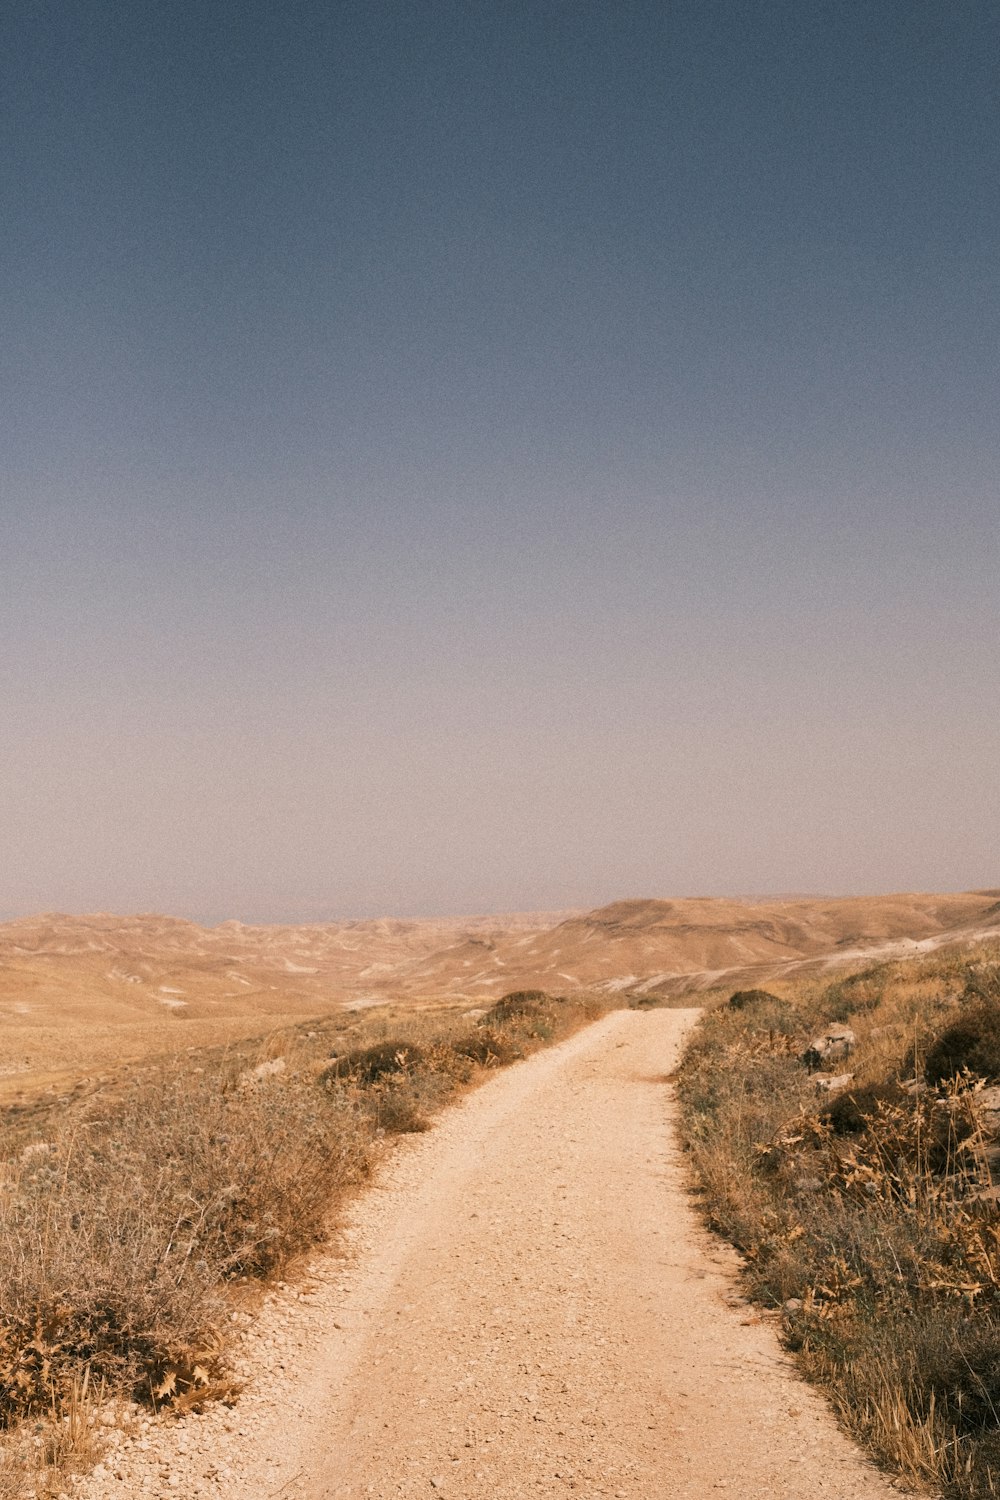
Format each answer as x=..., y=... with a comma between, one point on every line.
x=875, y=901
x=465, y=459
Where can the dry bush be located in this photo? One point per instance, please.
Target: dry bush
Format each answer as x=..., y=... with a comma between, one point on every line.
x=118, y=1233
x=970, y=1044
x=742, y=999
x=518, y=1003
x=871, y=1215
x=399, y=1084
x=369, y=1064
x=489, y=1046
x=854, y=1110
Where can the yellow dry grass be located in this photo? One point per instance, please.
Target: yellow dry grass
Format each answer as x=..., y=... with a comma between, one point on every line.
x=868, y=1215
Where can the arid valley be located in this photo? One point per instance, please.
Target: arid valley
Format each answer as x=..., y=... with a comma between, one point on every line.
x=80, y=995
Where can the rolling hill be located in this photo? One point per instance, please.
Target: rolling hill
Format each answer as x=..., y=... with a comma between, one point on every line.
x=79, y=992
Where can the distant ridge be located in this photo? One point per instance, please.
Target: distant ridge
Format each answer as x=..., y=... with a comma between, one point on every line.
x=56, y=962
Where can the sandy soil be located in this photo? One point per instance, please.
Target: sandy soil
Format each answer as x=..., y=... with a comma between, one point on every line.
x=526, y=1306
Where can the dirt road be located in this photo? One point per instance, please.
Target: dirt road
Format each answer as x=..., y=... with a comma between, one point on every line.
x=528, y=1308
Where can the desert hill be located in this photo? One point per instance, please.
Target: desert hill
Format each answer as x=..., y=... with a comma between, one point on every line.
x=87, y=991
x=648, y=944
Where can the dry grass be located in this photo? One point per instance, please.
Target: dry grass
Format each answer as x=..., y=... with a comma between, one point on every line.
x=868, y=1218
x=40, y=1458
x=129, y=1222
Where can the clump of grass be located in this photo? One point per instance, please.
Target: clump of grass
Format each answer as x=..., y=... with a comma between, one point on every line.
x=869, y=1219
x=128, y=1223
x=41, y=1458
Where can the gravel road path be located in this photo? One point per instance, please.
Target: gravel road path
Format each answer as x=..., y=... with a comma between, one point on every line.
x=528, y=1307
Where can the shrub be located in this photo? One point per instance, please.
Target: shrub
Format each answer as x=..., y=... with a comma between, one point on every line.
x=963, y=1374
x=397, y=1108
x=760, y=1012
x=970, y=1044
x=117, y=1239
x=856, y=993
x=742, y=999
x=854, y=1110
x=518, y=1003
x=489, y=1047
x=983, y=982
x=380, y=1061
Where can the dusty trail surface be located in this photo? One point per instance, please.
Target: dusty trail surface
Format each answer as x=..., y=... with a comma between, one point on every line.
x=529, y=1307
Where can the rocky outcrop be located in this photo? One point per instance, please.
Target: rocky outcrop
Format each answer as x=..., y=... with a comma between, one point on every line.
x=835, y=1044
x=830, y=1083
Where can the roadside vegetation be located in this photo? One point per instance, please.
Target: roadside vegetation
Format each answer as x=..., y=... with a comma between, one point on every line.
x=844, y=1134
x=135, y=1220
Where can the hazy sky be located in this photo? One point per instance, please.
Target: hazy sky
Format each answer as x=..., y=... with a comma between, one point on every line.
x=488, y=456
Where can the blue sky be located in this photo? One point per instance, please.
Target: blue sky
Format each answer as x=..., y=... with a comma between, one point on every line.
x=483, y=457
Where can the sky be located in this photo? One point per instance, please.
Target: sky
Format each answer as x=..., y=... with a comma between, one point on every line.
x=496, y=457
